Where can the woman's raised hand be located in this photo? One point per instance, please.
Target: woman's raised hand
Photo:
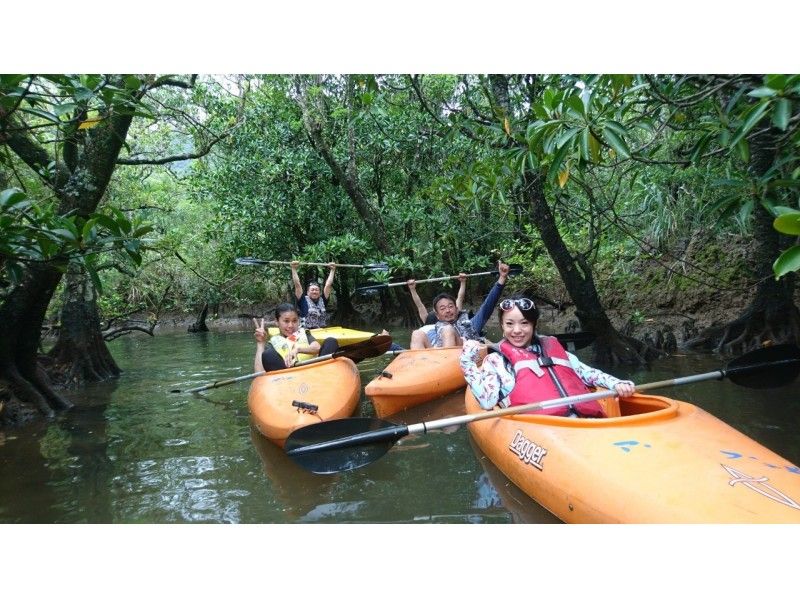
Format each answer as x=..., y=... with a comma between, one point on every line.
x=261, y=332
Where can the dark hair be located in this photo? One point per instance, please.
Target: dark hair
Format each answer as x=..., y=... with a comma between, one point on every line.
x=283, y=308
x=313, y=283
x=441, y=296
x=532, y=315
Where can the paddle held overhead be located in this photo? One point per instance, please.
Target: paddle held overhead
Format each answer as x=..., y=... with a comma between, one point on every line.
x=253, y=261
x=372, y=287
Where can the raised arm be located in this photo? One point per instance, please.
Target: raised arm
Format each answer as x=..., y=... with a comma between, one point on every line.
x=487, y=307
x=462, y=291
x=261, y=339
x=326, y=292
x=298, y=287
x=422, y=311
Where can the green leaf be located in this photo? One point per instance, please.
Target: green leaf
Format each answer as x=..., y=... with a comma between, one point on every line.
x=45, y=115
x=566, y=136
x=64, y=234
x=108, y=223
x=762, y=92
x=11, y=80
x=617, y=143
x=533, y=162
x=788, y=261
x=788, y=224
x=744, y=150
x=66, y=108
x=558, y=160
x=98, y=285
x=645, y=124
x=11, y=197
x=89, y=232
x=781, y=113
x=753, y=116
x=575, y=104
x=746, y=210
x=82, y=94
x=781, y=210
x=776, y=81
x=585, y=151
x=616, y=127
x=700, y=147
x=132, y=82
x=142, y=230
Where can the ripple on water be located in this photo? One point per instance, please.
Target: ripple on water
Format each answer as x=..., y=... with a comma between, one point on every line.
x=176, y=442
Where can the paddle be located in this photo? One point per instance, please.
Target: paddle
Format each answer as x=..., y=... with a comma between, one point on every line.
x=372, y=347
x=575, y=340
x=570, y=340
x=343, y=444
x=254, y=261
x=371, y=287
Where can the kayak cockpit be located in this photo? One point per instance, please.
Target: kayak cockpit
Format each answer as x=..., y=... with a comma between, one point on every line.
x=632, y=410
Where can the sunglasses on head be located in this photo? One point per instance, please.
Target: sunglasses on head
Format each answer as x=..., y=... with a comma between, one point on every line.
x=524, y=304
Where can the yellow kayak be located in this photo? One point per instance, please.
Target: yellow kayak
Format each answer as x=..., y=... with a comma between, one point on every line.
x=344, y=336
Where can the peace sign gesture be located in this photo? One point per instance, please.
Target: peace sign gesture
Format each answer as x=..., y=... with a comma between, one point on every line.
x=261, y=332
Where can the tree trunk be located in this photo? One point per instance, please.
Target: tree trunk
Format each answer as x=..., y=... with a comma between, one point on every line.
x=610, y=346
x=200, y=323
x=346, y=176
x=27, y=389
x=79, y=182
x=771, y=316
x=81, y=354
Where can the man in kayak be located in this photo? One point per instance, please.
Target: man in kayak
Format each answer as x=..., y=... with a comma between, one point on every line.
x=291, y=346
x=312, y=304
x=429, y=317
x=453, y=325
x=529, y=368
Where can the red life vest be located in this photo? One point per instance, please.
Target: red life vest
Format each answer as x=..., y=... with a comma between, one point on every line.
x=547, y=376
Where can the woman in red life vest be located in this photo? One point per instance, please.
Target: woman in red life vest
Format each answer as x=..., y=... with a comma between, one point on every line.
x=292, y=344
x=529, y=368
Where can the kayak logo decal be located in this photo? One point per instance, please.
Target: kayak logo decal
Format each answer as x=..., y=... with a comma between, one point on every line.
x=626, y=445
x=527, y=450
x=789, y=468
x=759, y=485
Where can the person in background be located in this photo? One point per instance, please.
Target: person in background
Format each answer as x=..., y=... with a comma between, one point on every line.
x=528, y=367
x=454, y=325
x=427, y=317
x=313, y=302
x=292, y=345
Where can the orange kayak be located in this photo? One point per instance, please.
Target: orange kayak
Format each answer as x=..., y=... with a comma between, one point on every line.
x=415, y=377
x=284, y=400
x=660, y=461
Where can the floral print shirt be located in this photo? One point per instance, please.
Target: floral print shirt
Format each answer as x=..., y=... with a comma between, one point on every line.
x=493, y=381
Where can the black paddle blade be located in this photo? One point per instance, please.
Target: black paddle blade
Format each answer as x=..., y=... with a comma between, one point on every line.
x=250, y=261
x=514, y=269
x=340, y=445
x=769, y=367
x=378, y=267
x=367, y=289
x=575, y=340
x=372, y=347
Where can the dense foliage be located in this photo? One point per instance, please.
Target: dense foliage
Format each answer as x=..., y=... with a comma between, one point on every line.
x=633, y=166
